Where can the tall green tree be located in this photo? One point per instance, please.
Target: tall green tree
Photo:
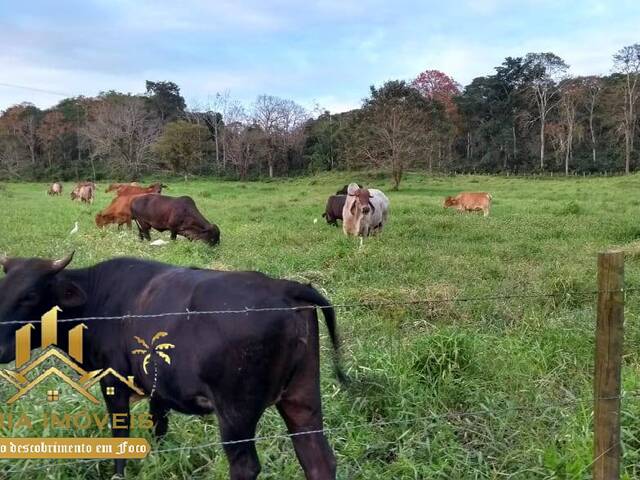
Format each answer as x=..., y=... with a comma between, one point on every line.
x=545, y=70
x=627, y=62
x=183, y=145
x=165, y=99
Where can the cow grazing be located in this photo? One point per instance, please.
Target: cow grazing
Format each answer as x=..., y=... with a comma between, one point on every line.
x=365, y=211
x=118, y=211
x=84, y=192
x=55, y=189
x=343, y=190
x=333, y=209
x=470, y=202
x=116, y=186
x=179, y=215
x=233, y=365
x=133, y=190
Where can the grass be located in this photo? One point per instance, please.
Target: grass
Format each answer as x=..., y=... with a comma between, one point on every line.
x=477, y=390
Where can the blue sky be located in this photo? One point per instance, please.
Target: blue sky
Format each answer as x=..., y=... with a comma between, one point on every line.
x=326, y=52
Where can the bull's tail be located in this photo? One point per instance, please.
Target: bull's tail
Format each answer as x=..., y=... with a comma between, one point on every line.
x=324, y=215
x=308, y=294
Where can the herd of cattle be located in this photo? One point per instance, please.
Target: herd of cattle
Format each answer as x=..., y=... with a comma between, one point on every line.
x=149, y=209
x=232, y=365
x=363, y=211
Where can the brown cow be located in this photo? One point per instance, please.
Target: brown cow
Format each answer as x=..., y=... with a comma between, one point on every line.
x=333, y=209
x=55, y=189
x=132, y=190
x=118, y=211
x=115, y=186
x=470, y=202
x=84, y=192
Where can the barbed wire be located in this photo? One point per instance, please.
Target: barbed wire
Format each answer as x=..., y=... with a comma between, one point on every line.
x=383, y=303
x=346, y=427
x=327, y=430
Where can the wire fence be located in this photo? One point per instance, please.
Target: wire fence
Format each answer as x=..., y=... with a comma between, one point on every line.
x=331, y=430
x=323, y=431
x=346, y=427
x=376, y=304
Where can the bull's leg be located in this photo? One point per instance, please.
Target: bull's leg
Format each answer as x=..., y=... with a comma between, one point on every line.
x=117, y=403
x=304, y=414
x=243, y=458
x=174, y=235
x=160, y=417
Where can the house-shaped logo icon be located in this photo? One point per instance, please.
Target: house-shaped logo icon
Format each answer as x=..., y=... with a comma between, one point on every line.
x=78, y=378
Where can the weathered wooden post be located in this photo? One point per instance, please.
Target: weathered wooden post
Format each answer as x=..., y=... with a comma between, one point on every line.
x=608, y=366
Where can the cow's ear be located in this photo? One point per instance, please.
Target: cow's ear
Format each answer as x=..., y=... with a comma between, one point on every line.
x=353, y=208
x=69, y=294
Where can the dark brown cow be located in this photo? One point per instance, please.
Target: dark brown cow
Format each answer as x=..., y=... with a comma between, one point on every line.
x=179, y=215
x=333, y=209
x=132, y=190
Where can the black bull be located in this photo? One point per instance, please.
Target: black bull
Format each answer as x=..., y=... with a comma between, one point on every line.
x=232, y=364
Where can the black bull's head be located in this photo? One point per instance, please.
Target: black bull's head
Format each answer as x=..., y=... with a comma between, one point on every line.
x=31, y=287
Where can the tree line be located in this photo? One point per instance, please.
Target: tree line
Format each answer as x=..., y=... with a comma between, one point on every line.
x=530, y=115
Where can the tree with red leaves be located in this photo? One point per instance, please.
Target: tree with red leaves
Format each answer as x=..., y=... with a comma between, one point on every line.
x=438, y=86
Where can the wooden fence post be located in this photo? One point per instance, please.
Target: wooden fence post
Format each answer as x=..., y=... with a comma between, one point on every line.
x=608, y=366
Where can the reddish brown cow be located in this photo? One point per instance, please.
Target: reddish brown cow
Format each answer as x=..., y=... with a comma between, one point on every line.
x=118, y=211
x=115, y=186
x=133, y=190
x=470, y=202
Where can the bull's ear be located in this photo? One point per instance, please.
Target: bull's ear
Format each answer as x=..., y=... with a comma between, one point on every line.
x=69, y=294
x=353, y=208
x=58, y=265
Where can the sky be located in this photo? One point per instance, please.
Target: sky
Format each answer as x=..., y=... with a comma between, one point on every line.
x=318, y=53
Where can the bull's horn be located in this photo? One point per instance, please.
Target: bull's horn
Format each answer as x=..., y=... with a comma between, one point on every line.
x=63, y=262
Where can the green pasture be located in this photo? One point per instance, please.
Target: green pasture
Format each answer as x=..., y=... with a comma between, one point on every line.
x=474, y=388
